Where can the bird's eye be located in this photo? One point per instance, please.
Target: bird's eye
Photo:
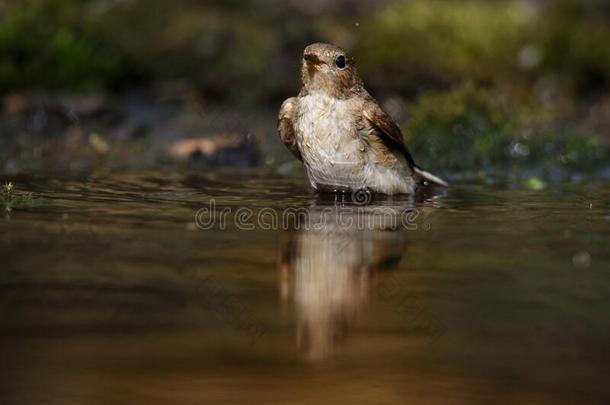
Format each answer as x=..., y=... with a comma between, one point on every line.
x=340, y=62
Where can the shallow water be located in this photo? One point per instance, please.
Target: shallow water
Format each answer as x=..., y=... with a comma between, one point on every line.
x=180, y=288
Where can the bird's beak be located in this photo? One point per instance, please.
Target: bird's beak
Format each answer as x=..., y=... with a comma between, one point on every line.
x=312, y=59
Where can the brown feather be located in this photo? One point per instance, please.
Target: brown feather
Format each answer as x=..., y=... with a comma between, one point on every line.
x=285, y=126
x=388, y=129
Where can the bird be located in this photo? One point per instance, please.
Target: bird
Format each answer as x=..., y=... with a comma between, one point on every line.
x=346, y=141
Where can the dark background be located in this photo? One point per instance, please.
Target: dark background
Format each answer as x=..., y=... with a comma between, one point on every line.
x=476, y=85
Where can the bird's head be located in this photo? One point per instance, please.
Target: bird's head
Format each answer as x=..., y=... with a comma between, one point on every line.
x=327, y=69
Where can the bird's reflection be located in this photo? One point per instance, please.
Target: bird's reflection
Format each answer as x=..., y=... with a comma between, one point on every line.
x=331, y=257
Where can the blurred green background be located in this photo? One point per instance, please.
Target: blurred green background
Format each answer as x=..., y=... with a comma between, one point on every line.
x=478, y=86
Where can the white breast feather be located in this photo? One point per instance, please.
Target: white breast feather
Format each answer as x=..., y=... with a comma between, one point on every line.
x=335, y=154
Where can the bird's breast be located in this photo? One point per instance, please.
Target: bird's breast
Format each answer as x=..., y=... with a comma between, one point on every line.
x=327, y=132
x=338, y=151
x=329, y=141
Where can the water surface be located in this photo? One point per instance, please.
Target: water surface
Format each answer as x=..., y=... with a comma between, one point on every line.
x=177, y=288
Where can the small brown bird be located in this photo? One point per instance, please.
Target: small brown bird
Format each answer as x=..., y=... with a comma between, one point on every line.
x=340, y=132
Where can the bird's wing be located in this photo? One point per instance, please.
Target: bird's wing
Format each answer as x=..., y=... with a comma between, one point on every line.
x=285, y=126
x=391, y=134
x=386, y=128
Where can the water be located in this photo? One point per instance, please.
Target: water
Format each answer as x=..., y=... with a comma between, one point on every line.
x=112, y=293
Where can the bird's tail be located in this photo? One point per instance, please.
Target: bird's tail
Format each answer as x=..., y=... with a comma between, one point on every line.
x=426, y=177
